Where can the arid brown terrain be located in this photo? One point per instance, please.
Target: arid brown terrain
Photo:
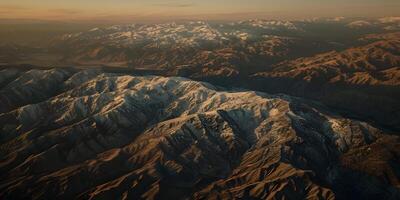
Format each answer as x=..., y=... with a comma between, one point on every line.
x=364, y=79
x=254, y=109
x=87, y=134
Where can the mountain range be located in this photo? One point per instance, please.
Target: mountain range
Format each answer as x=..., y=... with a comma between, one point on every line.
x=353, y=69
x=254, y=109
x=90, y=134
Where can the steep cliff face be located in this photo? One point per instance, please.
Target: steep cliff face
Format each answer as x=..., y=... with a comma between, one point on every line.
x=93, y=135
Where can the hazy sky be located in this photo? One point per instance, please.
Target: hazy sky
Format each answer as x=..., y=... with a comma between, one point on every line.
x=136, y=10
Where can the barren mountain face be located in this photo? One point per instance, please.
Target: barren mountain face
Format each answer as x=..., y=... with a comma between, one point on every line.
x=89, y=134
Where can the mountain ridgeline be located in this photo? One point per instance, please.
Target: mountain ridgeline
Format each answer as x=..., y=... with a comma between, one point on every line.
x=88, y=134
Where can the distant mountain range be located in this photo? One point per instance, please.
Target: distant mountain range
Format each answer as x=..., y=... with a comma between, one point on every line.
x=262, y=42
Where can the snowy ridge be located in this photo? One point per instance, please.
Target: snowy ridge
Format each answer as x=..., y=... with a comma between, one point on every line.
x=145, y=136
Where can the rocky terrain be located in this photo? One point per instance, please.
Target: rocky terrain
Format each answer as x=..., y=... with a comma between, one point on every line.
x=107, y=113
x=349, y=64
x=88, y=134
x=361, y=78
